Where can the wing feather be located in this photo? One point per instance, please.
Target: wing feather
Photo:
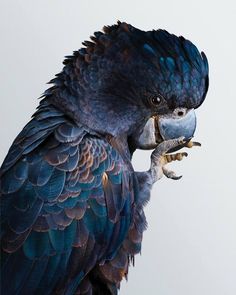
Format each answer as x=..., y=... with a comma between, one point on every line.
x=66, y=204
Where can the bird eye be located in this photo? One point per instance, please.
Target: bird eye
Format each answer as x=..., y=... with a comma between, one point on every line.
x=156, y=100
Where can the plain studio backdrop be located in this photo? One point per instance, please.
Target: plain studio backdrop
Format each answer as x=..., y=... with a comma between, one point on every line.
x=190, y=245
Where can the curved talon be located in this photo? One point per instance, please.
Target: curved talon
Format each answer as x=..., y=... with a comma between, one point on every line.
x=190, y=144
x=170, y=174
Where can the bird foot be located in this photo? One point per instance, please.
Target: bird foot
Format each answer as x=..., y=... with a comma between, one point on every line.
x=160, y=157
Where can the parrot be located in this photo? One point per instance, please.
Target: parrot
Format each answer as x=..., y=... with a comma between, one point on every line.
x=72, y=205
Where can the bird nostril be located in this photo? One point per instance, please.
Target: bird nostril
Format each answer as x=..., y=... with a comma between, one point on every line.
x=180, y=113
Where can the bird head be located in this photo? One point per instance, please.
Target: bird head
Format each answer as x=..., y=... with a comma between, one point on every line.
x=125, y=81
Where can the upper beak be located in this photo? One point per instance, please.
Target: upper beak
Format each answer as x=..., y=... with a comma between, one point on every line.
x=181, y=122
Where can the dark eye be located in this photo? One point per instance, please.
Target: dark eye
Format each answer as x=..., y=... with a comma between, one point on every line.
x=156, y=100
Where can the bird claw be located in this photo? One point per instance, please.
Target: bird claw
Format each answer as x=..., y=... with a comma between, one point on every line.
x=170, y=174
x=160, y=158
x=167, y=145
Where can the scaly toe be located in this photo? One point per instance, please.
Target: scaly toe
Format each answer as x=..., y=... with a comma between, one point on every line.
x=175, y=157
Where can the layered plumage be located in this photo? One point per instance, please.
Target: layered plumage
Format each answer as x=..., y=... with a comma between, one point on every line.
x=71, y=203
x=66, y=204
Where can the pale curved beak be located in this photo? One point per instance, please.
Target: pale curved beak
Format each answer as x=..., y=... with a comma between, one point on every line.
x=182, y=122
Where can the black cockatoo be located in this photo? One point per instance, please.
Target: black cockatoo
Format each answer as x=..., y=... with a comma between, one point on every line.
x=71, y=203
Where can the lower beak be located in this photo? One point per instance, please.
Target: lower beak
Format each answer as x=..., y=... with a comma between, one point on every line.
x=181, y=122
x=148, y=138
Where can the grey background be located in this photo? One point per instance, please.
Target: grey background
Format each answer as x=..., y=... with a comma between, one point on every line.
x=190, y=245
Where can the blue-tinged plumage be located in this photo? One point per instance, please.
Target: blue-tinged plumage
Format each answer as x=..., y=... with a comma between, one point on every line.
x=98, y=209
x=20, y=221
x=10, y=183
x=52, y=208
x=71, y=202
x=148, y=48
x=115, y=178
x=53, y=188
x=170, y=63
x=70, y=164
x=21, y=170
x=46, y=281
x=100, y=168
x=19, y=271
x=37, y=245
x=118, y=236
x=60, y=274
x=40, y=173
x=46, y=182
x=24, y=198
x=73, y=285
